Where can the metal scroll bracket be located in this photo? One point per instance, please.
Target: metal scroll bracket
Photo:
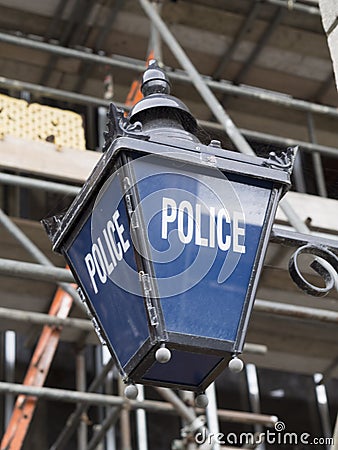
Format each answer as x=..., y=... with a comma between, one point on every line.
x=284, y=161
x=328, y=272
x=119, y=125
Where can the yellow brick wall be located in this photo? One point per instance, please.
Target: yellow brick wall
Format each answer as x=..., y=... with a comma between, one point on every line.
x=41, y=123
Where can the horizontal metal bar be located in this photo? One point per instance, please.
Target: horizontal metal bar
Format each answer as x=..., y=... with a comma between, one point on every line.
x=12, y=268
x=265, y=137
x=258, y=349
x=254, y=418
x=261, y=94
x=298, y=312
x=51, y=186
x=294, y=239
x=37, y=318
x=114, y=60
x=65, y=395
x=303, y=146
x=279, y=140
x=35, y=252
x=44, y=273
x=56, y=93
x=294, y=5
x=138, y=66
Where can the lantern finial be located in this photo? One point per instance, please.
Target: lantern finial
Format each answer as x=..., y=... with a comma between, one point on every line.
x=155, y=81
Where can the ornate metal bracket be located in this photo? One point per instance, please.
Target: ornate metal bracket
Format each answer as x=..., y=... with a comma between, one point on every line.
x=283, y=161
x=328, y=274
x=118, y=125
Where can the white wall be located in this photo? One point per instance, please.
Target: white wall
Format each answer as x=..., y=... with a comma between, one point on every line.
x=329, y=12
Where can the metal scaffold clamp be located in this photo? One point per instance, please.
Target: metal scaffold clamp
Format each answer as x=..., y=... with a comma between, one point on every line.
x=193, y=427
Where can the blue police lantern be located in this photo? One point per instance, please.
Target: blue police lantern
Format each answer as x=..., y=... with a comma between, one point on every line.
x=167, y=239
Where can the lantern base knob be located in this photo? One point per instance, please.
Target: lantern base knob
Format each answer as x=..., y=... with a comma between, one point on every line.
x=201, y=401
x=236, y=365
x=163, y=355
x=131, y=392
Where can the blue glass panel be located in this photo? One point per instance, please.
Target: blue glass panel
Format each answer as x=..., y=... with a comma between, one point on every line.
x=111, y=284
x=185, y=368
x=204, y=231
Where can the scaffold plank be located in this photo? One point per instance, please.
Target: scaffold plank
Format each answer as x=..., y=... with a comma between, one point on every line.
x=45, y=159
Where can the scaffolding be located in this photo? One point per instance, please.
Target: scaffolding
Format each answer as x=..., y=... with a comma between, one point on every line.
x=292, y=231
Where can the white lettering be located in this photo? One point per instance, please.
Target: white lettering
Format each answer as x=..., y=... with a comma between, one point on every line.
x=238, y=231
x=184, y=205
x=91, y=270
x=106, y=252
x=223, y=245
x=116, y=247
x=207, y=227
x=120, y=230
x=212, y=227
x=166, y=217
x=109, y=246
x=99, y=264
x=109, y=266
x=203, y=242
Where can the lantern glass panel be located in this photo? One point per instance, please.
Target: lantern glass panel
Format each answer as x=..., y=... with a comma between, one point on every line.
x=204, y=229
x=103, y=257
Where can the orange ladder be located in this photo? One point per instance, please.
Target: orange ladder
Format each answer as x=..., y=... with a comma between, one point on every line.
x=36, y=374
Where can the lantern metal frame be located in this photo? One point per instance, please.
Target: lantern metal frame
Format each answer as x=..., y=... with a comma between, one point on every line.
x=133, y=144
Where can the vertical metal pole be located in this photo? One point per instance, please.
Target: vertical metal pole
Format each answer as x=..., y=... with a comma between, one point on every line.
x=141, y=422
x=91, y=134
x=323, y=407
x=335, y=436
x=299, y=180
x=188, y=399
x=110, y=435
x=82, y=435
x=211, y=413
x=98, y=358
x=124, y=421
x=253, y=389
x=155, y=38
x=101, y=124
x=9, y=356
x=316, y=158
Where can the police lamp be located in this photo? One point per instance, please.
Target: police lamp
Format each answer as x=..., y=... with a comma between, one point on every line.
x=166, y=240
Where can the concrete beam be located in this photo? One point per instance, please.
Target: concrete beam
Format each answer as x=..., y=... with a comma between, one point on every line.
x=46, y=159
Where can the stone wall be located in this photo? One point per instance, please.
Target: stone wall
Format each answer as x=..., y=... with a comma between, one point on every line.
x=329, y=12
